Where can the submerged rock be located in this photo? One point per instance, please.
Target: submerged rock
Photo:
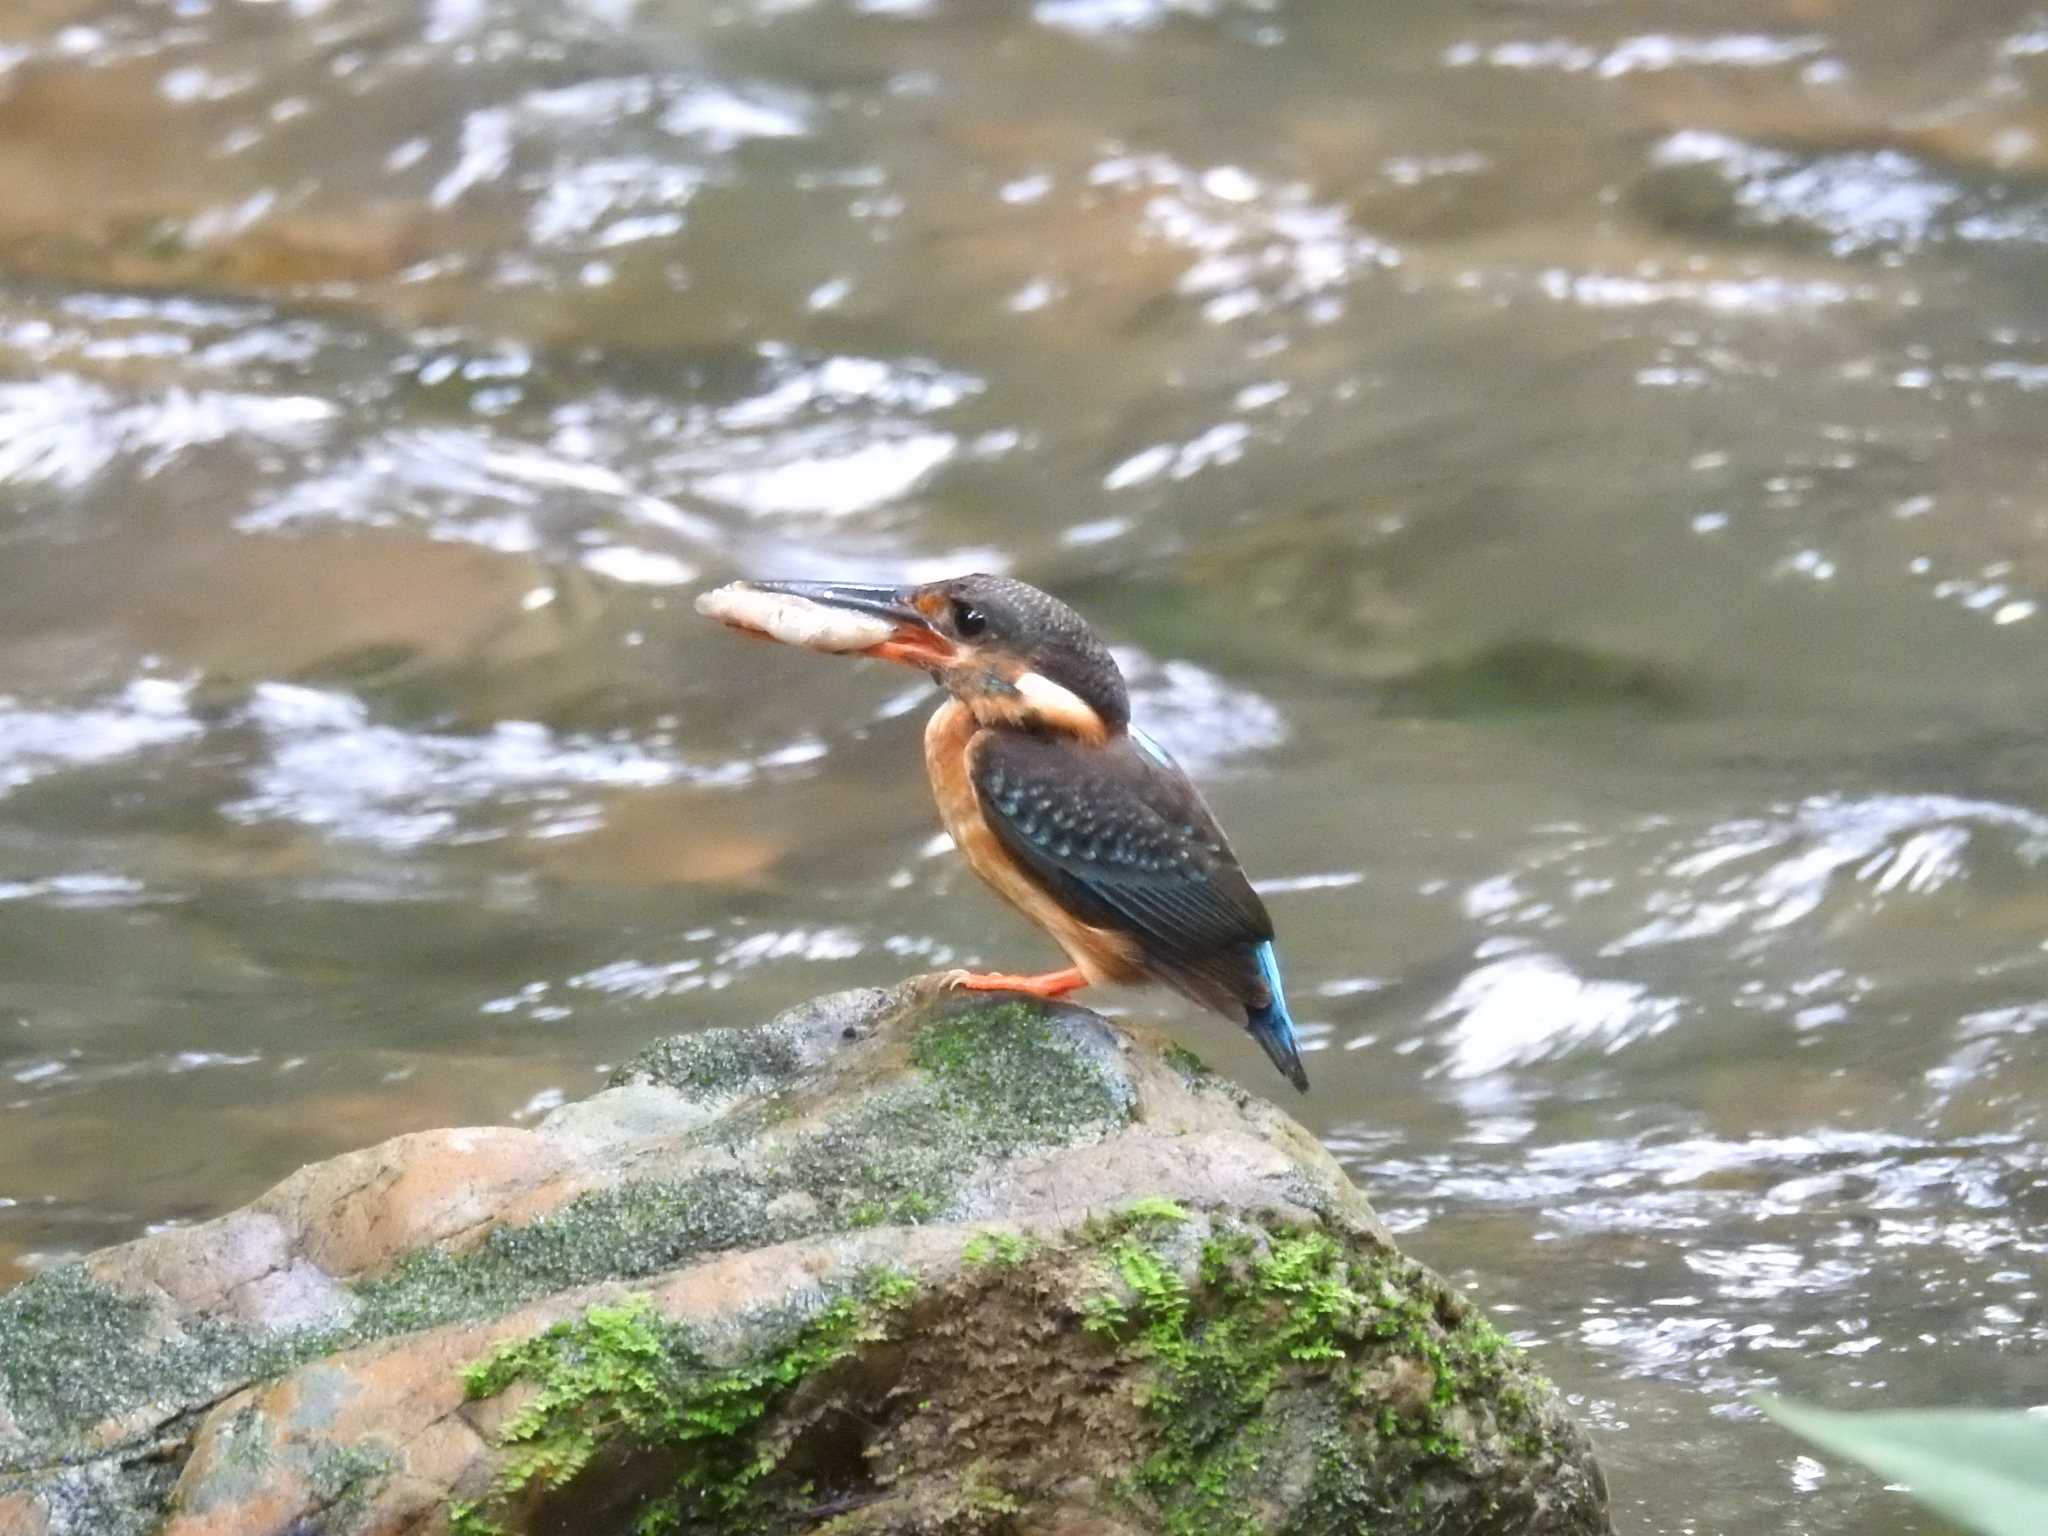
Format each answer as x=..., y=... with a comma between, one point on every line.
x=896, y=1262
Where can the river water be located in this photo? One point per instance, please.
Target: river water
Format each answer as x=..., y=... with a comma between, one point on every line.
x=1570, y=477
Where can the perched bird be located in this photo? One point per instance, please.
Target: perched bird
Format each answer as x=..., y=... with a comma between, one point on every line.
x=1074, y=816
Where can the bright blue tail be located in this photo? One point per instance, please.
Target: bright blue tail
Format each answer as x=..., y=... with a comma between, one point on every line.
x=1272, y=1026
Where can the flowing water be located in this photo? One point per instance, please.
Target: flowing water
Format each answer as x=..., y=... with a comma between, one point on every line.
x=1570, y=477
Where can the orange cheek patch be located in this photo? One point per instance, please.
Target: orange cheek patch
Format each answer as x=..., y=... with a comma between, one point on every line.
x=913, y=648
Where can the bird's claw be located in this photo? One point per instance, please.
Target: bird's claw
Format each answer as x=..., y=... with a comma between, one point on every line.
x=1049, y=986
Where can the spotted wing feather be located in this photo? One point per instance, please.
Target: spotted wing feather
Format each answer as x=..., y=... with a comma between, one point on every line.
x=1122, y=840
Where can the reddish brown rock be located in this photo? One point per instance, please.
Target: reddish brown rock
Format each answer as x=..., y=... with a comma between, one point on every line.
x=893, y=1263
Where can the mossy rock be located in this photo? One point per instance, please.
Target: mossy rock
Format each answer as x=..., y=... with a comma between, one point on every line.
x=1182, y=1372
x=894, y=1262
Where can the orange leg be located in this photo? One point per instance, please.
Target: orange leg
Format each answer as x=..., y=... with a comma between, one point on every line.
x=1048, y=984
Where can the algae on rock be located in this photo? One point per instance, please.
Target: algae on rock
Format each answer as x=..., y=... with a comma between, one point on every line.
x=1198, y=1374
x=893, y=1263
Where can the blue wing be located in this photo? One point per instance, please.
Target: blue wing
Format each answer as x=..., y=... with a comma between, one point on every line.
x=1121, y=839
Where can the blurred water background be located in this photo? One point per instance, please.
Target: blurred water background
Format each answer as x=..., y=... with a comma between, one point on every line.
x=1571, y=477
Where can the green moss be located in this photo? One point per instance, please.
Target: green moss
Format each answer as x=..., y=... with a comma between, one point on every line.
x=73, y=1352
x=908, y=1211
x=1152, y=1211
x=1191, y=1067
x=625, y=1379
x=1003, y=1249
x=1345, y=1492
x=1261, y=1363
x=719, y=1063
x=983, y=1499
x=994, y=1082
x=65, y=1348
x=1159, y=1304
x=244, y=1445
x=102, y=1499
x=1011, y=1062
x=1253, y=1352
x=343, y=1477
x=1292, y=1318
x=624, y=1231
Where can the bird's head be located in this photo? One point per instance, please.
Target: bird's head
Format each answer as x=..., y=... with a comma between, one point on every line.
x=1012, y=654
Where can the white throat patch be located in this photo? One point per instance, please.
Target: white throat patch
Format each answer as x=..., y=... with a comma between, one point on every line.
x=1057, y=705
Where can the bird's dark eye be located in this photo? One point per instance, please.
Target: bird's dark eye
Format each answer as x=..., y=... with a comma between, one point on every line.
x=969, y=620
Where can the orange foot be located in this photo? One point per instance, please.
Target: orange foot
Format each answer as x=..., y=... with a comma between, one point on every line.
x=1048, y=984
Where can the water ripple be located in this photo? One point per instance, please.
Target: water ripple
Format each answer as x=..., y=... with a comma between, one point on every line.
x=1770, y=873
x=149, y=712
x=1526, y=1008
x=465, y=484
x=331, y=768
x=64, y=431
x=1200, y=719
x=1257, y=247
x=1650, y=53
x=1880, y=199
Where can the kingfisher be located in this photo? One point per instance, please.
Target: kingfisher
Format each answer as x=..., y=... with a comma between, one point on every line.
x=1068, y=811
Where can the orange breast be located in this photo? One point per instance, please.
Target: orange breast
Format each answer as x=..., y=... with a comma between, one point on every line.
x=1102, y=955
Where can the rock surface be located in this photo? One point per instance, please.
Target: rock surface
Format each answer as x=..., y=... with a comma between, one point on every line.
x=896, y=1262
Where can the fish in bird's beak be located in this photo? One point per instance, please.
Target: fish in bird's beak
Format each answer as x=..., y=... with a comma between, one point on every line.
x=833, y=616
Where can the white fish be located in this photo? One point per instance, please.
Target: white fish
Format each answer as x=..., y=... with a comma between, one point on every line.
x=793, y=620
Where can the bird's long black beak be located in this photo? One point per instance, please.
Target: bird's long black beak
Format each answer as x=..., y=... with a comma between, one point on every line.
x=891, y=603
x=916, y=643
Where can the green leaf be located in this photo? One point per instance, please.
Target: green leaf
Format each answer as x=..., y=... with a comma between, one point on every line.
x=1983, y=1469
